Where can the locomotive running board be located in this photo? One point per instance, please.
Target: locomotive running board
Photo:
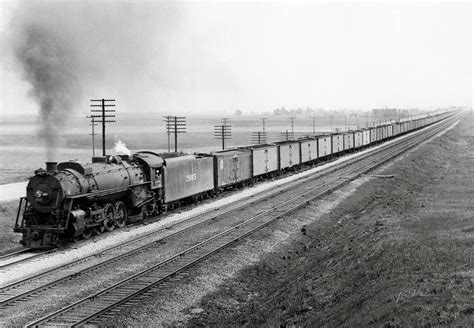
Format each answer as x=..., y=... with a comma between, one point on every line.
x=106, y=192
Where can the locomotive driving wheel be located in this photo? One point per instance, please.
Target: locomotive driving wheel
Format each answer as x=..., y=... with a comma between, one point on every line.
x=87, y=233
x=109, y=221
x=120, y=214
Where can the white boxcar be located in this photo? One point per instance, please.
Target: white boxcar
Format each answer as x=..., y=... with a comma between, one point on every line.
x=324, y=146
x=396, y=129
x=264, y=159
x=337, y=142
x=358, y=137
x=373, y=134
x=308, y=150
x=288, y=154
x=365, y=137
x=390, y=130
x=348, y=141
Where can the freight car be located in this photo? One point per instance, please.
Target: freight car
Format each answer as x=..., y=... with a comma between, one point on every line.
x=73, y=200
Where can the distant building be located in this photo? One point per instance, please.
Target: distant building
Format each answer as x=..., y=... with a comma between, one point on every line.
x=388, y=114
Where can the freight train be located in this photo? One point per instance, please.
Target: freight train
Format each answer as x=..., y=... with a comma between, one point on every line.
x=72, y=200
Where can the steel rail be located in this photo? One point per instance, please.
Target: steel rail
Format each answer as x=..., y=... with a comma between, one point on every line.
x=13, y=253
x=18, y=253
x=129, y=292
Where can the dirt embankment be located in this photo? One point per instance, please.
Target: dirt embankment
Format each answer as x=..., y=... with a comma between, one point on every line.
x=8, y=239
x=399, y=252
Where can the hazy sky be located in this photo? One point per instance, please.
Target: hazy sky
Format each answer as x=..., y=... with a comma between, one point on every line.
x=217, y=57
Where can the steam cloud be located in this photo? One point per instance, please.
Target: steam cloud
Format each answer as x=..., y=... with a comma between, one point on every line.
x=70, y=52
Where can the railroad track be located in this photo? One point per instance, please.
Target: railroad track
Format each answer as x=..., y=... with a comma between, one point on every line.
x=18, y=256
x=94, y=308
x=55, y=277
x=27, y=287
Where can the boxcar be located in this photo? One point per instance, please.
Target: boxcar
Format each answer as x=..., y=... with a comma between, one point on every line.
x=380, y=132
x=187, y=176
x=358, y=139
x=264, y=159
x=348, y=140
x=324, y=146
x=337, y=142
x=232, y=167
x=396, y=129
x=406, y=127
x=373, y=134
x=288, y=154
x=308, y=150
x=365, y=137
x=389, y=130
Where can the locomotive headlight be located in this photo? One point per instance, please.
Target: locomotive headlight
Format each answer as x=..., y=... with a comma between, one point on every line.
x=40, y=194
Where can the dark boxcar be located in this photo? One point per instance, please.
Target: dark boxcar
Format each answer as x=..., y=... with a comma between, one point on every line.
x=348, y=141
x=308, y=150
x=232, y=166
x=337, y=142
x=288, y=154
x=264, y=159
x=324, y=146
x=186, y=176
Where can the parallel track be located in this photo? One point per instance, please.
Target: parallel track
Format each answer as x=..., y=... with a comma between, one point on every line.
x=94, y=307
x=20, y=259
x=53, y=278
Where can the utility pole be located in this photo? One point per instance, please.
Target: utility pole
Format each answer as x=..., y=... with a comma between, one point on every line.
x=292, y=119
x=104, y=115
x=260, y=137
x=263, y=123
x=314, y=126
x=174, y=125
x=287, y=135
x=331, y=123
x=93, y=134
x=223, y=131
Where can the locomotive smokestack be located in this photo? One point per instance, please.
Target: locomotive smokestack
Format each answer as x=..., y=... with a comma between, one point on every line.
x=51, y=167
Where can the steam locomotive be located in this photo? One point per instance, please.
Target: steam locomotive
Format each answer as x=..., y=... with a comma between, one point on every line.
x=71, y=200
x=74, y=200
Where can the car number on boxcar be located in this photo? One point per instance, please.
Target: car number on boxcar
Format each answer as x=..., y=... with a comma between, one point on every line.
x=191, y=177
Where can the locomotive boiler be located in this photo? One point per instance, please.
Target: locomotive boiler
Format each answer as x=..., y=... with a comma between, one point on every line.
x=74, y=200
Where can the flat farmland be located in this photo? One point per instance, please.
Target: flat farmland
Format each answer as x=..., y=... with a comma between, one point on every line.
x=23, y=151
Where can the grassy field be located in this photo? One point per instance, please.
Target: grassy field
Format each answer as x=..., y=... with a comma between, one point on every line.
x=23, y=151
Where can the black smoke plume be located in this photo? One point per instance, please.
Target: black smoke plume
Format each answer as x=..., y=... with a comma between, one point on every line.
x=74, y=51
x=48, y=64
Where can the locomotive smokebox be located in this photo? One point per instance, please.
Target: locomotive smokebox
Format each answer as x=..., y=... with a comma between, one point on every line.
x=51, y=167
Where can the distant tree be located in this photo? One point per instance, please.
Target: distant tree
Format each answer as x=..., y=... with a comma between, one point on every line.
x=281, y=111
x=238, y=112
